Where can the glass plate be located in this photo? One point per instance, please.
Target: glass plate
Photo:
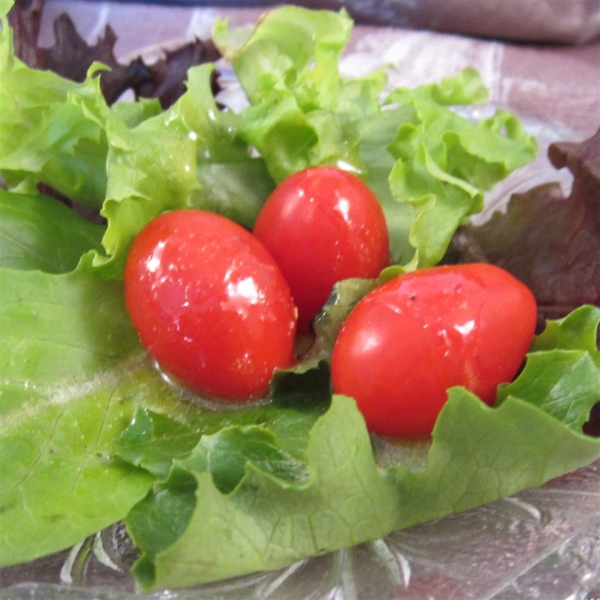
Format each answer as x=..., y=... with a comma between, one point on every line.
x=542, y=543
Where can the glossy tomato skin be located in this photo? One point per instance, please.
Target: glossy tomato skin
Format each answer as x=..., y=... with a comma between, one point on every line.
x=323, y=225
x=411, y=339
x=209, y=304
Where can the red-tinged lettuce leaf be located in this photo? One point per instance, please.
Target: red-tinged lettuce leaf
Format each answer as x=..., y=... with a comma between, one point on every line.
x=242, y=502
x=25, y=17
x=71, y=57
x=166, y=78
x=550, y=242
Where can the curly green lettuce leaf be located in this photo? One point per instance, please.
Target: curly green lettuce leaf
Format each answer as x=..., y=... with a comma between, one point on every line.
x=130, y=161
x=438, y=163
x=480, y=454
x=185, y=157
x=285, y=41
x=445, y=163
x=575, y=331
x=51, y=129
x=271, y=517
x=339, y=496
x=241, y=488
x=37, y=232
x=302, y=112
x=428, y=165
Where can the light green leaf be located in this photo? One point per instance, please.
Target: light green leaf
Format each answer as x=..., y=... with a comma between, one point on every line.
x=271, y=521
x=51, y=129
x=37, y=232
x=58, y=482
x=445, y=162
x=186, y=157
x=562, y=372
x=226, y=454
x=58, y=373
x=480, y=454
x=279, y=512
x=565, y=383
x=427, y=164
x=5, y=6
x=578, y=330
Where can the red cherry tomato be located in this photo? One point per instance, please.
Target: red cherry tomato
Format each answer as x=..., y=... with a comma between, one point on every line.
x=323, y=225
x=411, y=339
x=210, y=304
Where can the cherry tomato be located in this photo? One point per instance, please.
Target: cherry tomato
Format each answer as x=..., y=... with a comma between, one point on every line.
x=210, y=304
x=411, y=339
x=322, y=225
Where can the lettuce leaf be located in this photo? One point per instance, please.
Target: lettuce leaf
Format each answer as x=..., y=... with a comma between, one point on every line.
x=428, y=166
x=153, y=440
x=69, y=388
x=129, y=162
x=70, y=385
x=51, y=130
x=37, y=232
x=5, y=6
x=88, y=428
x=271, y=518
x=185, y=157
x=59, y=376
